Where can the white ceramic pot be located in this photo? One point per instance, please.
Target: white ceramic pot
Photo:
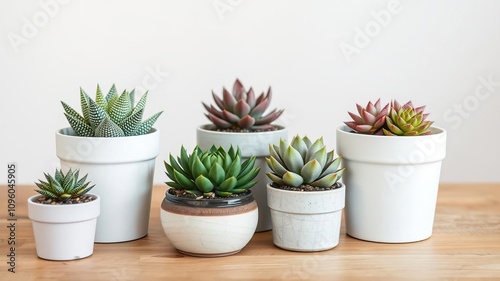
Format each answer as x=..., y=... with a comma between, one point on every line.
x=122, y=171
x=306, y=221
x=256, y=144
x=209, y=227
x=64, y=232
x=392, y=184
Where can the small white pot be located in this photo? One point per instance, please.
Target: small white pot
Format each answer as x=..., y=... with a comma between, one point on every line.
x=306, y=221
x=256, y=144
x=209, y=227
x=392, y=184
x=122, y=170
x=64, y=232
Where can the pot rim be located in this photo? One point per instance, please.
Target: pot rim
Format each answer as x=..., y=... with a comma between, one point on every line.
x=434, y=129
x=68, y=132
x=342, y=185
x=32, y=198
x=244, y=199
x=206, y=128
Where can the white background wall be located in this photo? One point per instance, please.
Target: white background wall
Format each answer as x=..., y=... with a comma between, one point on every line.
x=433, y=52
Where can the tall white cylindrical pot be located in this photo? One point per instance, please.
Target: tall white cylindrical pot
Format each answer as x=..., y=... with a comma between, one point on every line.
x=256, y=144
x=122, y=170
x=392, y=184
x=306, y=221
x=64, y=232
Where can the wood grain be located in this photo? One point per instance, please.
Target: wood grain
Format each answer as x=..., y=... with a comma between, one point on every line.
x=465, y=244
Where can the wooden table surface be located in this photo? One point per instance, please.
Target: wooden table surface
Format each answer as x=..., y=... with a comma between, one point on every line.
x=465, y=244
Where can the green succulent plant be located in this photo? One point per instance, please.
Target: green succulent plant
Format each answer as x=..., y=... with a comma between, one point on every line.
x=111, y=116
x=241, y=109
x=371, y=118
x=303, y=162
x=62, y=187
x=406, y=120
x=211, y=172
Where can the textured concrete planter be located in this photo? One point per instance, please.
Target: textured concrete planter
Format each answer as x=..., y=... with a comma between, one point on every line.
x=306, y=221
x=392, y=184
x=122, y=171
x=256, y=144
x=209, y=227
x=64, y=232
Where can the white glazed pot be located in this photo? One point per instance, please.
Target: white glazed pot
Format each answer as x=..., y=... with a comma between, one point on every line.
x=64, y=232
x=256, y=144
x=306, y=221
x=122, y=171
x=392, y=184
x=209, y=227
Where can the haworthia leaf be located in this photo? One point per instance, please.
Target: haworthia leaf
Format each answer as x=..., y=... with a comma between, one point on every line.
x=84, y=104
x=121, y=108
x=132, y=97
x=70, y=111
x=108, y=129
x=81, y=129
x=146, y=126
x=141, y=104
x=96, y=114
x=99, y=98
x=130, y=124
x=111, y=93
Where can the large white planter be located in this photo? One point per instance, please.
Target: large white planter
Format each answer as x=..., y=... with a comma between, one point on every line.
x=209, y=227
x=256, y=144
x=306, y=221
x=122, y=171
x=392, y=184
x=64, y=232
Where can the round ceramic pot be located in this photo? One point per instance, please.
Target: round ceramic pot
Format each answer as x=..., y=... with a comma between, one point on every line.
x=122, y=170
x=209, y=227
x=251, y=144
x=64, y=232
x=392, y=184
x=306, y=221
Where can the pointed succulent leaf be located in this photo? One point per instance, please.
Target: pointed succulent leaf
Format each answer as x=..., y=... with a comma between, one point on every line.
x=70, y=111
x=251, y=98
x=269, y=118
x=273, y=151
x=198, y=168
x=241, y=108
x=293, y=160
x=230, y=117
x=96, y=113
x=121, y=108
x=320, y=155
x=331, y=167
x=184, y=181
x=244, y=178
x=243, y=187
x=292, y=179
x=278, y=180
x=299, y=145
x=80, y=128
x=99, y=98
x=218, y=122
x=84, y=104
x=218, y=101
x=235, y=167
x=141, y=104
x=204, y=184
x=228, y=184
x=216, y=174
x=275, y=166
x=111, y=94
x=238, y=90
x=246, y=122
x=107, y=129
x=146, y=126
x=311, y=171
x=130, y=124
x=326, y=181
x=228, y=99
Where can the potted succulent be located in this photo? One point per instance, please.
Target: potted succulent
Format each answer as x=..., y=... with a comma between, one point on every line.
x=112, y=143
x=209, y=210
x=238, y=119
x=305, y=197
x=64, y=216
x=393, y=158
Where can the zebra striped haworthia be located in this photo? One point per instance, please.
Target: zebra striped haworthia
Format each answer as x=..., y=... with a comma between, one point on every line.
x=112, y=115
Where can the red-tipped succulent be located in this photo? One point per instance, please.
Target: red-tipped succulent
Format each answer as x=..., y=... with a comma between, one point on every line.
x=371, y=119
x=241, y=109
x=406, y=120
